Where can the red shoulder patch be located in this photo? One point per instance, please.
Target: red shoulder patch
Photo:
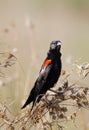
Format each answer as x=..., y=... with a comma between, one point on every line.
x=47, y=62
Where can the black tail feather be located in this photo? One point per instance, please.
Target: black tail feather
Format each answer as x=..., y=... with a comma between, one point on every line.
x=29, y=100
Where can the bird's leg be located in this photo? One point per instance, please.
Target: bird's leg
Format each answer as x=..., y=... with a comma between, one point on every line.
x=32, y=106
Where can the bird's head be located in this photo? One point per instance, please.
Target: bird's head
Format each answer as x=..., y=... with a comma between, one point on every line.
x=55, y=45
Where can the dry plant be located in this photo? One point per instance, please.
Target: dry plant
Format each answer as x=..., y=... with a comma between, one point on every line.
x=6, y=60
x=55, y=108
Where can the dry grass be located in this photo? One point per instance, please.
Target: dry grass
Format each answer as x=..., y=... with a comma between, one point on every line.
x=60, y=106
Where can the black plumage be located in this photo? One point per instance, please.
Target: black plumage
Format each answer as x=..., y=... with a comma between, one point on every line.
x=48, y=75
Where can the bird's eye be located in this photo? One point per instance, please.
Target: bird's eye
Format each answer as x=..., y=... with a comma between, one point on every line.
x=52, y=46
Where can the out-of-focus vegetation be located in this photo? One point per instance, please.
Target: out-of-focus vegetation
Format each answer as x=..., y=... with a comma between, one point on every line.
x=26, y=30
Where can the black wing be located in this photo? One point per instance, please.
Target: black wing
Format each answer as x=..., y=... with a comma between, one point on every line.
x=35, y=93
x=42, y=79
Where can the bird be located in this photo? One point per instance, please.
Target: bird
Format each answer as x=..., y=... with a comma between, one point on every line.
x=48, y=76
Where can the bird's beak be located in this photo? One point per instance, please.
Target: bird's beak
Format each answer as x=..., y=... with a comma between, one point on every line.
x=59, y=43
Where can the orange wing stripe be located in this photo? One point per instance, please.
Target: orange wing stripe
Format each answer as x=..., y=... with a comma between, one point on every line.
x=47, y=62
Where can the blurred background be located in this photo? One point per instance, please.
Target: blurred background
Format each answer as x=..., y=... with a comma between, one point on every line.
x=26, y=29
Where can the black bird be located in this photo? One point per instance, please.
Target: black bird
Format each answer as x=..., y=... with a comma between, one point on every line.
x=48, y=75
